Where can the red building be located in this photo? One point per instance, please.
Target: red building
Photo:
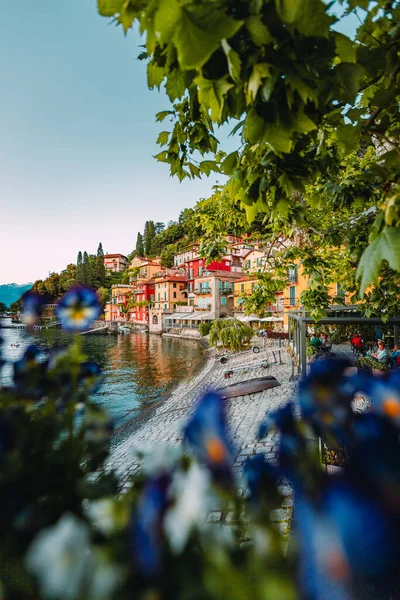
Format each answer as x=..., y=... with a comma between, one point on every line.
x=143, y=300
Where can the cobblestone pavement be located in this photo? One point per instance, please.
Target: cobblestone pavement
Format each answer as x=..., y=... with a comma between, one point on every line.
x=244, y=416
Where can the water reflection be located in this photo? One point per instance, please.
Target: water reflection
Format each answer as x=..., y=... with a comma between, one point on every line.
x=140, y=370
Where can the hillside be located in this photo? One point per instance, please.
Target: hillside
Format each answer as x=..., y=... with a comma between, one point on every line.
x=10, y=292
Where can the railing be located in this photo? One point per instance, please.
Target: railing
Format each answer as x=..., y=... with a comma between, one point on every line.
x=292, y=278
x=202, y=291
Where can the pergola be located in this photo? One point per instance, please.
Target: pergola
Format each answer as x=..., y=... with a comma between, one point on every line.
x=298, y=323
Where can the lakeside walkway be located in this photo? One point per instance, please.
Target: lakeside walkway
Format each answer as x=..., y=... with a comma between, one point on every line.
x=244, y=416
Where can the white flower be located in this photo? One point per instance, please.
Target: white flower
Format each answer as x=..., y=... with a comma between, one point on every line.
x=59, y=557
x=105, y=576
x=192, y=494
x=157, y=459
x=102, y=515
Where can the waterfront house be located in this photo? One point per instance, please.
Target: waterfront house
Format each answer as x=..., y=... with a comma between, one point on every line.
x=170, y=291
x=143, y=300
x=214, y=292
x=117, y=308
x=115, y=263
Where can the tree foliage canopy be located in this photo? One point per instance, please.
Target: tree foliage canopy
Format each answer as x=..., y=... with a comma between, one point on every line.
x=316, y=112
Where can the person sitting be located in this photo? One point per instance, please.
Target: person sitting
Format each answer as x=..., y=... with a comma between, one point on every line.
x=395, y=356
x=315, y=341
x=326, y=341
x=382, y=355
x=357, y=341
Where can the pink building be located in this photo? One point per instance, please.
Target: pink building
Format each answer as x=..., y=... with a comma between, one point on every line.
x=115, y=263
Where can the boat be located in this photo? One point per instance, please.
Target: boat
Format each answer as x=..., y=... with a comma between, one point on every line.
x=123, y=329
x=252, y=386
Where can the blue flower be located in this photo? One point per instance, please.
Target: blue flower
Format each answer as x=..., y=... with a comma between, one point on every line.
x=262, y=479
x=91, y=376
x=146, y=529
x=207, y=434
x=30, y=373
x=32, y=308
x=78, y=308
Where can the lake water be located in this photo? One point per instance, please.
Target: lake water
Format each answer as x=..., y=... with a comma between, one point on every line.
x=140, y=369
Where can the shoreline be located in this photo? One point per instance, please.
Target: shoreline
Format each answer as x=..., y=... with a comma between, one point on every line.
x=165, y=424
x=127, y=429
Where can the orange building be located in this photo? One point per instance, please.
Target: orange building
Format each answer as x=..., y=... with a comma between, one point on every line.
x=169, y=291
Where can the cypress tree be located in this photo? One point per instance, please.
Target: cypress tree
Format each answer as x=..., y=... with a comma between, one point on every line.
x=139, y=245
x=100, y=265
x=149, y=235
x=79, y=270
x=85, y=269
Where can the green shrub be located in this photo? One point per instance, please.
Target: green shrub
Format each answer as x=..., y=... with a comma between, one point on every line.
x=204, y=328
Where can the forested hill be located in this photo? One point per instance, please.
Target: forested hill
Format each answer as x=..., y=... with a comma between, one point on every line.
x=208, y=222
x=10, y=292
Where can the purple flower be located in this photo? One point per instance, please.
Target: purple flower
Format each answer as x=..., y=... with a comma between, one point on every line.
x=146, y=529
x=32, y=308
x=206, y=433
x=78, y=308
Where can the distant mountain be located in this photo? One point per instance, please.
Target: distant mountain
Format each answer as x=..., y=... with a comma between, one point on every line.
x=10, y=292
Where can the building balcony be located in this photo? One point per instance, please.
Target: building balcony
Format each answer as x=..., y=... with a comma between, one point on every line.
x=292, y=278
x=201, y=291
x=225, y=291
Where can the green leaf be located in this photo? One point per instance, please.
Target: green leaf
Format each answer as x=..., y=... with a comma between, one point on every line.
x=207, y=166
x=234, y=62
x=345, y=48
x=348, y=136
x=175, y=86
x=259, y=33
x=385, y=247
x=155, y=75
x=163, y=138
x=309, y=17
x=166, y=19
x=109, y=8
x=160, y=116
x=302, y=123
x=260, y=72
x=212, y=95
x=279, y=138
x=348, y=76
x=229, y=163
x=255, y=127
x=199, y=34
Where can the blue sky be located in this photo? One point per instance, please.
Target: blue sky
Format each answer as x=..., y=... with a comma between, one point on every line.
x=77, y=139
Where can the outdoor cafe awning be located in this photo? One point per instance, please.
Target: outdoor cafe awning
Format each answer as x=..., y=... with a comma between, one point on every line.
x=271, y=319
x=248, y=319
x=178, y=316
x=202, y=316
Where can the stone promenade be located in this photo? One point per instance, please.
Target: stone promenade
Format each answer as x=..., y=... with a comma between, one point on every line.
x=244, y=415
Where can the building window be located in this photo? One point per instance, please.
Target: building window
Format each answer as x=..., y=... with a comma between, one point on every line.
x=165, y=307
x=159, y=286
x=223, y=301
x=242, y=287
x=165, y=285
x=174, y=294
x=165, y=295
x=174, y=285
x=158, y=296
x=292, y=295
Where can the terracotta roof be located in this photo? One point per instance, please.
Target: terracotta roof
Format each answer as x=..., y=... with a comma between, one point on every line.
x=114, y=256
x=245, y=279
x=179, y=278
x=219, y=273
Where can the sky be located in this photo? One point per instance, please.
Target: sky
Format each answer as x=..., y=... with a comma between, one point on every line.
x=77, y=140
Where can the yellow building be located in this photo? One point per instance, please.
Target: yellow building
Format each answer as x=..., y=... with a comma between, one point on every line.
x=286, y=301
x=169, y=291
